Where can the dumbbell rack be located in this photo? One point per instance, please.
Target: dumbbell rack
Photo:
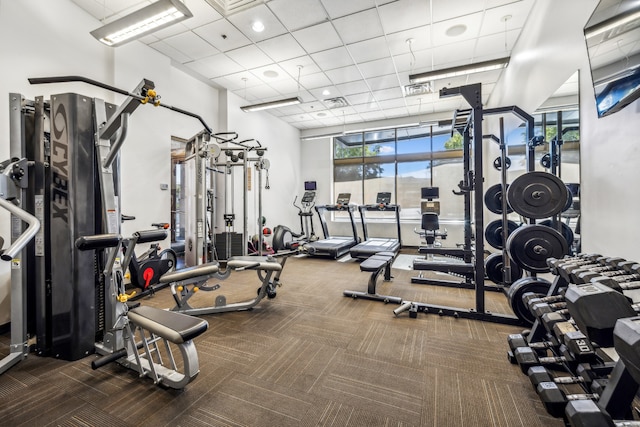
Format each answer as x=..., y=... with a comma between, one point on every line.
x=584, y=284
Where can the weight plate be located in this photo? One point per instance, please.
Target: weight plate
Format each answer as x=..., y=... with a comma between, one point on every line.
x=521, y=287
x=493, y=199
x=545, y=161
x=493, y=232
x=567, y=232
x=569, y=203
x=537, y=195
x=529, y=246
x=497, y=163
x=494, y=269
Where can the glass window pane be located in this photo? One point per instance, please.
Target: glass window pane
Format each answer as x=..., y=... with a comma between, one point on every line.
x=380, y=143
x=414, y=140
x=447, y=173
x=347, y=146
x=379, y=177
x=443, y=140
x=348, y=179
x=412, y=176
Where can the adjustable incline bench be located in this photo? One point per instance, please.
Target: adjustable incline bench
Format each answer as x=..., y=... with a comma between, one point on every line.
x=375, y=264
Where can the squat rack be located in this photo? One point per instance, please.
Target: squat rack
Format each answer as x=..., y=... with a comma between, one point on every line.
x=469, y=124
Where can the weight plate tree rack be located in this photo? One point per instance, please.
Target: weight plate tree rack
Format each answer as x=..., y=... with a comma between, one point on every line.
x=473, y=95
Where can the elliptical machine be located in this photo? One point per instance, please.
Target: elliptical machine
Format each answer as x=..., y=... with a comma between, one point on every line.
x=305, y=213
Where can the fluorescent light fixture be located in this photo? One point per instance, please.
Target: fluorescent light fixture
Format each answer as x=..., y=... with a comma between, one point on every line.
x=144, y=21
x=463, y=70
x=618, y=21
x=272, y=104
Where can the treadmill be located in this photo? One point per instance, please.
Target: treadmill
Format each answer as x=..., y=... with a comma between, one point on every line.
x=373, y=245
x=334, y=246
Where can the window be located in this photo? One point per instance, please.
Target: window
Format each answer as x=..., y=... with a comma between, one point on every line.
x=400, y=161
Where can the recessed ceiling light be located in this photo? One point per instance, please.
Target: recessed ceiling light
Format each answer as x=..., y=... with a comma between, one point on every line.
x=326, y=92
x=456, y=30
x=271, y=74
x=257, y=26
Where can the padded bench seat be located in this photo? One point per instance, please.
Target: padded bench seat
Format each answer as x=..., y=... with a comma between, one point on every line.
x=254, y=262
x=175, y=327
x=444, y=267
x=377, y=261
x=190, y=273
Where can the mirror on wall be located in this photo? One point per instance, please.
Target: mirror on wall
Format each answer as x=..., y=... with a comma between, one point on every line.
x=612, y=35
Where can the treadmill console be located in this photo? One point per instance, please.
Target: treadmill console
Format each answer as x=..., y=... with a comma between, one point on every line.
x=383, y=198
x=343, y=199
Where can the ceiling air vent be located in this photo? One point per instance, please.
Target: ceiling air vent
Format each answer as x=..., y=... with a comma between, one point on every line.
x=229, y=7
x=338, y=102
x=418, y=89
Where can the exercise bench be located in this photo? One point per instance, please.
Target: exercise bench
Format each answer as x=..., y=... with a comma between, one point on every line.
x=186, y=283
x=376, y=264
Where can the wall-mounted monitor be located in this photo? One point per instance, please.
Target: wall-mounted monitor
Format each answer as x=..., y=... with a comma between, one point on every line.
x=309, y=186
x=612, y=35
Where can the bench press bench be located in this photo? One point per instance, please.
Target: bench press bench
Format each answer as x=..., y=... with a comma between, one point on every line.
x=376, y=264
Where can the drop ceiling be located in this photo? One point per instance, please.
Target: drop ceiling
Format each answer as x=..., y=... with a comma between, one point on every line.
x=348, y=60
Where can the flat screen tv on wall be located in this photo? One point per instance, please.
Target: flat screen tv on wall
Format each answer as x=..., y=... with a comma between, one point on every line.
x=613, y=44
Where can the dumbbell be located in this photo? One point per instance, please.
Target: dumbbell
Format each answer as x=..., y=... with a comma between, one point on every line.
x=586, y=413
x=616, y=267
x=569, y=272
x=555, y=400
x=585, y=374
x=516, y=341
x=626, y=338
x=595, y=308
x=627, y=271
x=574, y=349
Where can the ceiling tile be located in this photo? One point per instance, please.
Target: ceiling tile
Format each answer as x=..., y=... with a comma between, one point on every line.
x=292, y=66
x=244, y=20
x=281, y=48
x=352, y=88
x=443, y=11
x=420, y=39
x=235, y=82
x=392, y=103
x=313, y=81
x=383, y=82
x=365, y=98
x=493, y=46
x=192, y=45
x=471, y=22
x=359, y=26
x=318, y=92
x=381, y=95
x=203, y=13
x=368, y=50
x=515, y=13
x=214, y=66
x=417, y=62
x=338, y=8
x=262, y=91
x=318, y=37
x=171, y=52
x=285, y=86
x=270, y=73
x=171, y=30
x=296, y=14
x=454, y=54
x=222, y=35
x=373, y=115
x=333, y=58
x=405, y=14
x=396, y=112
x=344, y=74
x=249, y=57
x=379, y=67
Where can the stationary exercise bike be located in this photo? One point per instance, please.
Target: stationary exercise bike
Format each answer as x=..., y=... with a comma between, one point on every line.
x=145, y=270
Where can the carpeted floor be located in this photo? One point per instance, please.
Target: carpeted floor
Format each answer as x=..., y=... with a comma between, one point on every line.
x=309, y=357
